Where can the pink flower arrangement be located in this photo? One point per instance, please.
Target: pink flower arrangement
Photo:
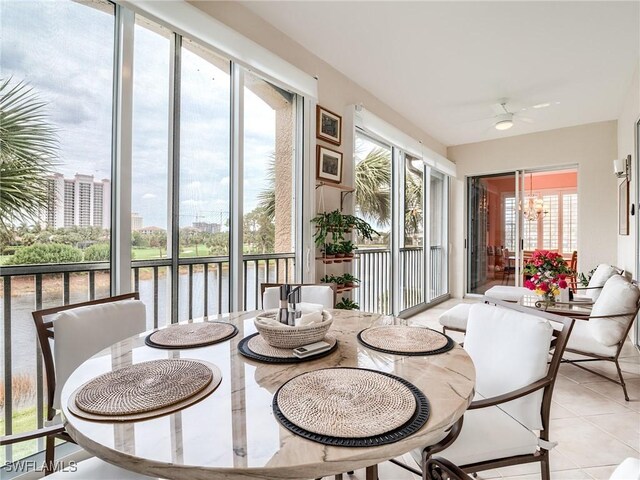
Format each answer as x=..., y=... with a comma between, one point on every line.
x=548, y=273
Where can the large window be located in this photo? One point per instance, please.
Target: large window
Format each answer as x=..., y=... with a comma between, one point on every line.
x=173, y=107
x=63, y=53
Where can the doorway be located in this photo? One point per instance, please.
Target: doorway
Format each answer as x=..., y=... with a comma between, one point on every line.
x=512, y=214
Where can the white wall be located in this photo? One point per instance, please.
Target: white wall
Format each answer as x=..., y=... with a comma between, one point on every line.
x=591, y=147
x=627, y=120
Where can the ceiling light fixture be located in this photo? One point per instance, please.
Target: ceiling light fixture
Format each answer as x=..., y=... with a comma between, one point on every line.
x=504, y=121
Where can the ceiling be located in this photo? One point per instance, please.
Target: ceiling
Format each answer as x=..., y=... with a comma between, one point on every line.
x=442, y=65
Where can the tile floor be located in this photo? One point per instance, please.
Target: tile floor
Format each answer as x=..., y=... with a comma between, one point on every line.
x=594, y=427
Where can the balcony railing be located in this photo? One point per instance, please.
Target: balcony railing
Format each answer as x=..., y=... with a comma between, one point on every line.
x=203, y=290
x=373, y=268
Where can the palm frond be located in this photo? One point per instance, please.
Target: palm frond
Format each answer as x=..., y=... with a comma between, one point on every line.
x=373, y=182
x=267, y=197
x=28, y=154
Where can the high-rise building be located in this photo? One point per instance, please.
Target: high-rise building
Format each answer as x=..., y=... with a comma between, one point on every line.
x=136, y=221
x=80, y=201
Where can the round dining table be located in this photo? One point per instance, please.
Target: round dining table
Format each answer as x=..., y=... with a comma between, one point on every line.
x=233, y=432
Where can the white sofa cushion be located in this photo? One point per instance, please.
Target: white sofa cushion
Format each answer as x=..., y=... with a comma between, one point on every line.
x=456, y=317
x=581, y=339
x=488, y=433
x=80, y=333
x=602, y=273
x=96, y=469
x=320, y=294
x=629, y=469
x=507, y=293
x=618, y=296
x=510, y=350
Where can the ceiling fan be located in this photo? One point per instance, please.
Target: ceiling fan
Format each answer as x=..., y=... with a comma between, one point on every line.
x=504, y=118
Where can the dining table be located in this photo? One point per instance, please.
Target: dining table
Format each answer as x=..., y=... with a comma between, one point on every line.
x=233, y=433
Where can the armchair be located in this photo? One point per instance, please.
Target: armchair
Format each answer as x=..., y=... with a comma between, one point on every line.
x=510, y=346
x=602, y=337
x=78, y=332
x=600, y=276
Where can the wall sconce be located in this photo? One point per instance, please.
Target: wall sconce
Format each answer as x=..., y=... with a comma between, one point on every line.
x=622, y=167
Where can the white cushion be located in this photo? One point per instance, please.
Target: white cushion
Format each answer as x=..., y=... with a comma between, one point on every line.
x=507, y=293
x=488, y=433
x=80, y=333
x=618, y=296
x=581, y=339
x=629, y=469
x=320, y=294
x=96, y=469
x=509, y=350
x=456, y=317
x=602, y=273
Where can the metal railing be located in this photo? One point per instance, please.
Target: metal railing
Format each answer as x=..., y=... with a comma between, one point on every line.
x=203, y=290
x=373, y=268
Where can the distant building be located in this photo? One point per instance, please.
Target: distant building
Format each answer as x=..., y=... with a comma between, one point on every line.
x=151, y=230
x=206, y=227
x=136, y=221
x=80, y=201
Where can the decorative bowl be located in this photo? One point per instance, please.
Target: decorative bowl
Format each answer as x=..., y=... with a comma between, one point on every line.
x=292, y=337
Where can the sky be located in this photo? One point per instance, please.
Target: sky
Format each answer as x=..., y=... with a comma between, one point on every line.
x=64, y=50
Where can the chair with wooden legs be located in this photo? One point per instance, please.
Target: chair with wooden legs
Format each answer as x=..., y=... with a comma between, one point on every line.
x=508, y=421
x=78, y=332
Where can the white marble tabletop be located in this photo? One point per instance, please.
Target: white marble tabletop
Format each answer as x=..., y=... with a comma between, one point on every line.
x=233, y=434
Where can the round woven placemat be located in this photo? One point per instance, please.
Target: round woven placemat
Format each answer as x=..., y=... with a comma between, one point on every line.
x=256, y=347
x=191, y=335
x=404, y=340
x=350, y=407
x=145, y=390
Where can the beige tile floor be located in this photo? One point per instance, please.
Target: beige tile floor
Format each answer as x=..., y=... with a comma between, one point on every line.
x=594, y=427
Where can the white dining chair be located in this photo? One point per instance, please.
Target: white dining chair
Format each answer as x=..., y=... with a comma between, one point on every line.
x=324, y=295
x=78, y=332
x=601, y=335
x=508, y=421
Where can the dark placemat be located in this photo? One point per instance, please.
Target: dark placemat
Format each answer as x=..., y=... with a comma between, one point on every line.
x=356, y=398
x=256, y=348
x=405, y=340
x=191, y=335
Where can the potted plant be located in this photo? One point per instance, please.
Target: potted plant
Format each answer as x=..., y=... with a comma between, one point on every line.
x=339, y=250
x=329, y=253
x=349, y=280
x=346, y=304
x=340, y=281
x=328, y=279
x=347, y=248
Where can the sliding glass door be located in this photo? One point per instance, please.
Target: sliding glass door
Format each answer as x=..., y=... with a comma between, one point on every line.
x=510, y=215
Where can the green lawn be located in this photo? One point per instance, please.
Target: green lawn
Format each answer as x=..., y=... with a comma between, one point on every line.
x=148, y=253
x=23, y=421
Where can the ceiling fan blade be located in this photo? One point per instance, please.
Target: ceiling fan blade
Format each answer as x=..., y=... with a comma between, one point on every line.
x=525, y=119
x=485, y=119
x=499, y=108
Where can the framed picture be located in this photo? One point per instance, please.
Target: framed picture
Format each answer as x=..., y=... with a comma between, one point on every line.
x=329, y=164
x=328, y=126
x=623, y=208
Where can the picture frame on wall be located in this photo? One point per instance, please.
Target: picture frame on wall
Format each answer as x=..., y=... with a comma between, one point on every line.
x=329, y=164
x=623, y=208
x=328, y=126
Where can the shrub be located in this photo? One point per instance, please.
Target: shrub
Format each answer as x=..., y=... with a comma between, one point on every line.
x=99, y=252
x=22, y=388
x=46, y=253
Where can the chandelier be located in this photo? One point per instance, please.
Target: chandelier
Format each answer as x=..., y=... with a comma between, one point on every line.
x=533, y=206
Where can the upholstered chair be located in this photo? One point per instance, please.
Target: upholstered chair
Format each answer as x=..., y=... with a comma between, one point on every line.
x=508, y=421
x=601, y=335
x=324, y=295
x=592, y=291
x=78, y=332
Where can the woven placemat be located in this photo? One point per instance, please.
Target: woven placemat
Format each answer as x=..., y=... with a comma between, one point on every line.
x=256, y=347
x=405, y=340
x=191, y=335
x=145, y=390
x=350, y=407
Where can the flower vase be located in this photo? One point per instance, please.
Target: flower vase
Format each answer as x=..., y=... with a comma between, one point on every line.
x=547, y=299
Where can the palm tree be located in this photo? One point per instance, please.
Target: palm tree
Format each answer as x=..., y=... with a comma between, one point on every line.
x=28, y=153
x=267, y=197
x=373, y=182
